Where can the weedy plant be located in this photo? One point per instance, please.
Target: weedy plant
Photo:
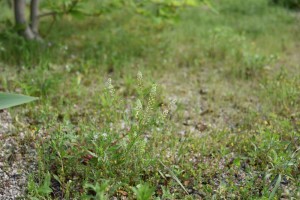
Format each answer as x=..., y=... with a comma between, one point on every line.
x=143, y=192
x=116, y=150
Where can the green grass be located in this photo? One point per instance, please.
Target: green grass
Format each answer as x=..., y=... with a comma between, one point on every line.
x=233, y=132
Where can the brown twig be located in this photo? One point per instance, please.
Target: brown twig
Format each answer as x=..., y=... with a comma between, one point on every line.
x=51, y=25
x=53, y=13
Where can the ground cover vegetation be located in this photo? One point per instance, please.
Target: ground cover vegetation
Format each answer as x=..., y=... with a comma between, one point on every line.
x=130, y=107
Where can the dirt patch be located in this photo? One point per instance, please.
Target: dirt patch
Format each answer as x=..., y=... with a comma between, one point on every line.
x=17, y=159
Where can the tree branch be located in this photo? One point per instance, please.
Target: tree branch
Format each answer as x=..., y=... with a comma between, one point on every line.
x=53, y=13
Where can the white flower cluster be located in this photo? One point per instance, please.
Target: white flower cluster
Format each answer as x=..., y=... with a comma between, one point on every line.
x=110, y=87
x=151, y=101
x=138, y=108
x=140, y=78
x=171, y=107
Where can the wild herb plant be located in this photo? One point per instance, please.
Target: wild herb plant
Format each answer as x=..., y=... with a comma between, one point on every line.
x=118, y=151
x=143, y=192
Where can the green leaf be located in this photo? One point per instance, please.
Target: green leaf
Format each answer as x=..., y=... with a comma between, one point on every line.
x=8, y=100
x=237, y=162
x=45, y=188
x=277, y=184
x=174, y=177
x=143, y=191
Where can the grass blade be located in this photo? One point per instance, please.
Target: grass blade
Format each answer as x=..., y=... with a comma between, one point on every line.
x=174, y=177
x=277, y=184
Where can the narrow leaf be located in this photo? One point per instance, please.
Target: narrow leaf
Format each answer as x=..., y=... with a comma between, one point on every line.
x=277, y=184
x=174, y=177
x=8, y=100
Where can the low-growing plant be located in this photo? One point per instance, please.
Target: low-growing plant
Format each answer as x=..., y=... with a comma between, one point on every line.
x=241, y=55
x=143, y=191
x=283, y=92
x=118, y=148
x=99, y=190
x=41, y=190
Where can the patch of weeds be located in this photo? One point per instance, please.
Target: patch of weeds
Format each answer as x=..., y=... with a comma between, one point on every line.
x=253, y=65
x=235, y=51
x=283, y=94
x=17, y=51
x=262, y=162
x=96, y=191
x=274, y=155
x=251, y=7
x=224, y=42
x=119, y=149
x=143, y=191
x=40, y=190
x=42, y=84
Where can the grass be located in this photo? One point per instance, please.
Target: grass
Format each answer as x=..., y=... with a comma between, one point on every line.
x=233, y=132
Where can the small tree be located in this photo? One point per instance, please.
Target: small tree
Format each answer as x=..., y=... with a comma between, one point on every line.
x=157, y=8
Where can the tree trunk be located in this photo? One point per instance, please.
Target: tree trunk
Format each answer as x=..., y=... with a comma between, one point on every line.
x=23, y=28
x=31, y=31
x=34, y=20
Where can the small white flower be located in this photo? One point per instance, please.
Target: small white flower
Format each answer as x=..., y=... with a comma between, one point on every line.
x=109, y=86
x=172, y=105
x=140, y=78
x=138, y=108
x=104, y=135
x=96, y=136
x=153, y=90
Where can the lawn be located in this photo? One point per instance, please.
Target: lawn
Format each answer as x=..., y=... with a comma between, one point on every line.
x=207, y=107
